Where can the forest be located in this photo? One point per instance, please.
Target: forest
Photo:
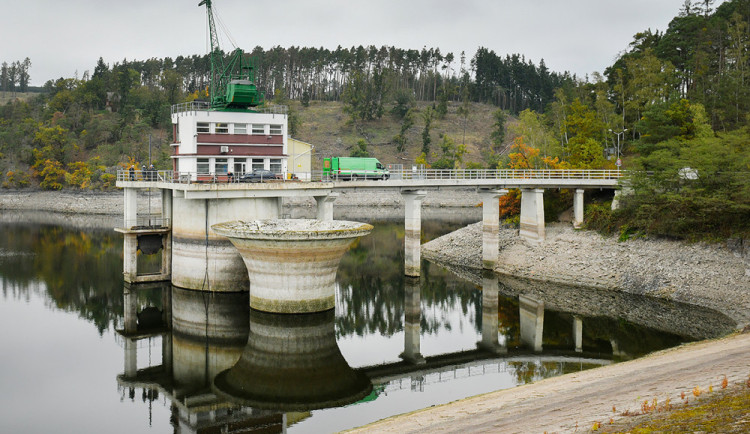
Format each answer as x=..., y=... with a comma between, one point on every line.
x=674, y=102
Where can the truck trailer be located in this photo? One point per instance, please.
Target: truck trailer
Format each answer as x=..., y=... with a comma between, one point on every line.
x=352, y=168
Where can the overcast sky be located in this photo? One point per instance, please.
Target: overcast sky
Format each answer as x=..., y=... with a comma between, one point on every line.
x=63, y=38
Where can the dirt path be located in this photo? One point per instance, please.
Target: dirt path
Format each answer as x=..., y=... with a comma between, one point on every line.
x=574, y=402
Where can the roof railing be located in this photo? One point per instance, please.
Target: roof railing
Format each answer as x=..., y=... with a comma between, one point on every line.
x=200, y=106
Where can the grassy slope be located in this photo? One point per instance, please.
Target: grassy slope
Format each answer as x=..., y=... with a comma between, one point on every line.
x=325, y=125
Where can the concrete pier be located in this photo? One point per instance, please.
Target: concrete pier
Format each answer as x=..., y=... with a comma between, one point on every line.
x=412, y=231
x=209, y=333
x=532, y=215
x=532, y=322
x=308, y=252
x=325, y=206
x=292, y=363
x=490, y=226
x=578, y=333
x=412, y=319
x=490, y=307
x=203, y=259
x=578, y=208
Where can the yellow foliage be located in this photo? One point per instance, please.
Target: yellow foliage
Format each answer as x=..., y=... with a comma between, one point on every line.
x=525, y=156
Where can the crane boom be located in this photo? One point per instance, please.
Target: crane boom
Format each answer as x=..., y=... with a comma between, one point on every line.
x=232, y=84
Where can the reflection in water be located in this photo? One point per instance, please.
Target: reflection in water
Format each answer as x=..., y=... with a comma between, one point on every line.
x=292, y=363
x=469, y=333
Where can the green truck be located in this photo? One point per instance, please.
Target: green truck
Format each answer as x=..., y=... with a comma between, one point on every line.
x=352, y=168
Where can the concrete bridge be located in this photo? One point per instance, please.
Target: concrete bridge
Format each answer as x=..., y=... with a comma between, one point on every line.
x=189, y=208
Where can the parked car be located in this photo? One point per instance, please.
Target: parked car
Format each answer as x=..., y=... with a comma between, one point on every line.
x=257, y=176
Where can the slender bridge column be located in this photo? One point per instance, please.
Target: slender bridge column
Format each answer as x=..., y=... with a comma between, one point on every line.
x=413, y=229
x=532, y=215
x=412, y=317
x=490, y=306
x=532, y=322
x=325, y=206
x=578, y=333
x=490, y=226
x=131, y=207
x=578, y=209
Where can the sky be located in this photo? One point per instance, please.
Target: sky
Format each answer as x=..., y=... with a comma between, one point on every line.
x=65, y=38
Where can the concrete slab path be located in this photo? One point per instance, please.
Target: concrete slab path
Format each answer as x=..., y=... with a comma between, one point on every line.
x=574, y=402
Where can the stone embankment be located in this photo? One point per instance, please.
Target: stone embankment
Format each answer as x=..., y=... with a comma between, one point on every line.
x=112, y=202
x=716, y=276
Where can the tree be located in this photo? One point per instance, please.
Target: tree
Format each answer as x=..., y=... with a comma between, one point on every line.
x=497, y=136
x=360, y=149
x=406, y=124
x=452, y=154
x=427, y=116
x=585, y=150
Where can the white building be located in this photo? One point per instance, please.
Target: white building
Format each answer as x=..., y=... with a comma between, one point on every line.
x=210, y=144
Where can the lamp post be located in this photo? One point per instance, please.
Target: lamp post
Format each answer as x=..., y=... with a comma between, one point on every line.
x=618, y=140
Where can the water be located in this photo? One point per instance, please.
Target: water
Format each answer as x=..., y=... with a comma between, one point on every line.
x=67, y=365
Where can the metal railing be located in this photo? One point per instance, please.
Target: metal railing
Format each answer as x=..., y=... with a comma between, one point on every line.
x=148, y=222
x=145, y=175
x=194, y=106
x=474, y=174
x=400, y=175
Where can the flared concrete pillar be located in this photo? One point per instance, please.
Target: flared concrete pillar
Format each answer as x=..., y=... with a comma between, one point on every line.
x=578, y=208
x=308, y=252
x=578, y=333
x=130, y=217
x=532, y=322
x=292, y=363
x=490, y=226
x=490, y=306
x=325, y=206
x=412, y=318
x=532, y=215
x=413, y=231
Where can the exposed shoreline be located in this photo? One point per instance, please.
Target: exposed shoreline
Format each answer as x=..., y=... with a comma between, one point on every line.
x=715, y=276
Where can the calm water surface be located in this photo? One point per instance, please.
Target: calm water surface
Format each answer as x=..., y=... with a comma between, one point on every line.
x=67, y=365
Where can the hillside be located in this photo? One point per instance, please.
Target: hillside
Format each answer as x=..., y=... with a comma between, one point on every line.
x=325, y=125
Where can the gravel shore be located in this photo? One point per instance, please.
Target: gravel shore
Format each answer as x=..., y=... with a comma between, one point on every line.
x=715, y=276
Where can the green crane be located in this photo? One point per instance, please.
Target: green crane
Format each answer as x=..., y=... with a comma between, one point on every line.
x=232, y=86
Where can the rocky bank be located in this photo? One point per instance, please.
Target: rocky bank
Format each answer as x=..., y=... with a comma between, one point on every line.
x=716, y=276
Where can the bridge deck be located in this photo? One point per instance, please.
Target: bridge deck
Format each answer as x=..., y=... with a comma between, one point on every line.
x=431, y=179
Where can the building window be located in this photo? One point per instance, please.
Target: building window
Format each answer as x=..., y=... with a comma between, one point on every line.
x=276, y=130
x=221, y=166
x=240, y=128
x=203, y=165
x=259, y=129
x=203, y=127
x=275, y=166
x=258, y=164
x=221, y=128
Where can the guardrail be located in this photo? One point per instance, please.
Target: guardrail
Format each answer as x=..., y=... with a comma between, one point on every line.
x=145, y=175
x=469, y=174
x=148, y=222
x=194, y=106
x=405, y=174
